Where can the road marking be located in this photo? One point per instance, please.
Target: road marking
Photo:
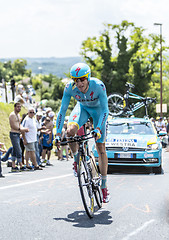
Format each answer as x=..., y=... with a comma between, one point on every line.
x=36, y=181
x=146, y=210
x=138, y=229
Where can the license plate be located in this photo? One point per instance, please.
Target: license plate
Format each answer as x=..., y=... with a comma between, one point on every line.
x=125, y=155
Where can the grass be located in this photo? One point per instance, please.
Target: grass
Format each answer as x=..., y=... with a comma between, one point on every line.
x=5, y=110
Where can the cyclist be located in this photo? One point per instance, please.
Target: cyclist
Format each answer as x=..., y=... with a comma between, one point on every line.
x=91, y=97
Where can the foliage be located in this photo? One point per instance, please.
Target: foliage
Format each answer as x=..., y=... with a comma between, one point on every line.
x=57, y=92
x=136, y=58
x=36, y=82
x=47, y=95
x=16, y=70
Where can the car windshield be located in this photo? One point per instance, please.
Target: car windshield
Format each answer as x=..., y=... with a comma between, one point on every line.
x=141, y=128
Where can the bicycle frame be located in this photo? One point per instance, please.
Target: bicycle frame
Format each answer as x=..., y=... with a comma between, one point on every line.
x=132, y=108
x=86, y=177
x=119, y=104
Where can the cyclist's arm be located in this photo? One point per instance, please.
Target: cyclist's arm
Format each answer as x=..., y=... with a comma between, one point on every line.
x=104, y=106
x=62, y=112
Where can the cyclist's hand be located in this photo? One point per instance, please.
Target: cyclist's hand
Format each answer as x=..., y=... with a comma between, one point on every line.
x=57, y=141
x=96, y=134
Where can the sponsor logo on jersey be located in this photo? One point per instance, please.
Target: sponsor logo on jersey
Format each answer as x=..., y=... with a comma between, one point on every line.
x=88, y=100
x=77, y=71
x=78, y=97
x=91, y=94
x=60, y=119
x=75, y=116
x=103, y=118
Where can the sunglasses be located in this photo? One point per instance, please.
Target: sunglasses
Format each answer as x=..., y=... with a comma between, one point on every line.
x=82, y=79
x=32, y=112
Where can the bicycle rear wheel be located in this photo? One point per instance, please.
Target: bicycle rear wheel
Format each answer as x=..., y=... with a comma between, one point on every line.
x=85, y=185
x=115, y=104
x=96, y=178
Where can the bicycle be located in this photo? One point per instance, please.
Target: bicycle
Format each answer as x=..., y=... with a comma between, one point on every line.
x=89, y=178
x=119, y=105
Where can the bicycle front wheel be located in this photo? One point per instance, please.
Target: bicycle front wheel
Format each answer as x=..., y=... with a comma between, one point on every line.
x=115, y=104
x=85, y=185
x=96, y=178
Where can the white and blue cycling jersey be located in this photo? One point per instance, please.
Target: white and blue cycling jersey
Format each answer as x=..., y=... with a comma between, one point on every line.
x=93, y=104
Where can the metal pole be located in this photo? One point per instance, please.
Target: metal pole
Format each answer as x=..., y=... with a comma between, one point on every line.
x=161, y=71
x=161, y=75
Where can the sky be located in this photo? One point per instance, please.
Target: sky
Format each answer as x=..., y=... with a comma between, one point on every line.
x=57, y=28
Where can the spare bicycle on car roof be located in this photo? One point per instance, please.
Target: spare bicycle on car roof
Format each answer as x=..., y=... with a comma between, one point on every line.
x=119, y=104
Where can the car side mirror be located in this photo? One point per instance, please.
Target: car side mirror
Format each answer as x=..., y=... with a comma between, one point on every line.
x=162, y=133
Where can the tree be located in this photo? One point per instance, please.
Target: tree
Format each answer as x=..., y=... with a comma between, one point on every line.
x=57, y=92
x=16, y=70
x=136, y=59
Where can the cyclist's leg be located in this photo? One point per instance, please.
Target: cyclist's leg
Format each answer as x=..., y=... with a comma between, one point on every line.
x=100, y=146
x=103, y=165
x=77, y=118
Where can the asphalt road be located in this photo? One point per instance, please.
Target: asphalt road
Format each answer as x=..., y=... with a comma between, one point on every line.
x=46, y=205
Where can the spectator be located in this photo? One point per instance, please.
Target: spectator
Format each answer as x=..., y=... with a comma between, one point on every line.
x=21, y=141
x=48, y=110
x=37, y=143
x=167, y=127
x=47, y=141
x=19, y=98
x=5, y=157
x=16, y=130
x=167, y=130
x=29, y=139
x=154, y=122
x=160, y=124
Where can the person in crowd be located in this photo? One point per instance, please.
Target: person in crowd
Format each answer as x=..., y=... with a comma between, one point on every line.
x=29, y=139
x=19, y=97
x=47, y=141
x=167, y=127
x=37, y=143
x=154, y=122
x=47, y=111
x=160, y=124
x=4, y=155
x=167, y=130
x=64, y=147
x=91, y=97
x=21, y=141
x=16, y=130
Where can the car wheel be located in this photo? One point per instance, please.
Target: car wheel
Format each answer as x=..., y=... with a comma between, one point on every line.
x=157, y=170
x=110, y=169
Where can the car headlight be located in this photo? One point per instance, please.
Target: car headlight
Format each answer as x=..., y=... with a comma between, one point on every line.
x=153, y=146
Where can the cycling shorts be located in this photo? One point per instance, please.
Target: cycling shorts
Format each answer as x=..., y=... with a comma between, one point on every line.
x=81, y=114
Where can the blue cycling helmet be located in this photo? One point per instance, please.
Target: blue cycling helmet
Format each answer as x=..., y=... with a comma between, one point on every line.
x=80, y=70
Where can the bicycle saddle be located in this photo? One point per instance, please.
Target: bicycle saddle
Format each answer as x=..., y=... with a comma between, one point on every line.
x=130, y=85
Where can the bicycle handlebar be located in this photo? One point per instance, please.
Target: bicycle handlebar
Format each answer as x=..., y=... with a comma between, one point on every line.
x=149, y=100
x=129, y=85
x=78, y=138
